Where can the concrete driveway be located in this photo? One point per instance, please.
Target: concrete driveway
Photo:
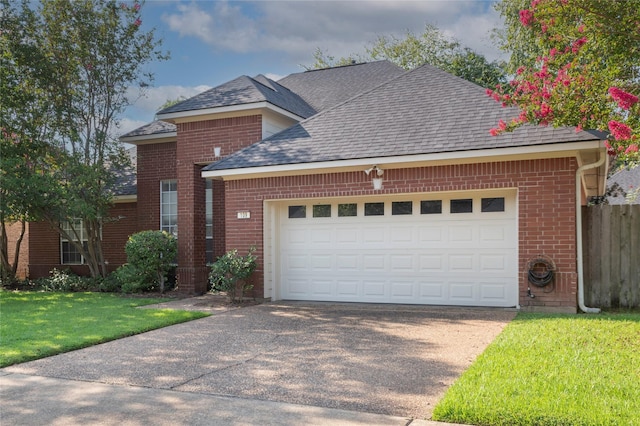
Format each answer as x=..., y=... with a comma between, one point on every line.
x=380, y=359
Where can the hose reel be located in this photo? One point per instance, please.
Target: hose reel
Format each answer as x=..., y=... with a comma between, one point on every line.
x=541, y=271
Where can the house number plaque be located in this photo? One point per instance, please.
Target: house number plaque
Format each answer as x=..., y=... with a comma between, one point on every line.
x=244, y=215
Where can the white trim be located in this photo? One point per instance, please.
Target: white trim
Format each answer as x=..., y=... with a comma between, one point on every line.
x=403, y=161
x=177, y=116
x=153, y=138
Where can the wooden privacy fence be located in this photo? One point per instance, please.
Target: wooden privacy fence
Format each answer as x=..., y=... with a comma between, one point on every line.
x=611, y=247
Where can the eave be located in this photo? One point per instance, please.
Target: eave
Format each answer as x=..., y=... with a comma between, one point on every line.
x=584, y=152
x=226, y=111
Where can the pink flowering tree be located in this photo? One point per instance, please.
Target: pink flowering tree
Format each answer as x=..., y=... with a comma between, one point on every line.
x=575, y=63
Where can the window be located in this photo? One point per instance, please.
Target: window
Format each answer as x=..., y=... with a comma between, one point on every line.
x=401, y=207
x=462, y=206
x=70, y=253
x=209, y=219
x=297, y=212
x=322, y=210
x=169, y=206
x=492, y=205
x=374, y=209
x=431, y=207
x=346, y=210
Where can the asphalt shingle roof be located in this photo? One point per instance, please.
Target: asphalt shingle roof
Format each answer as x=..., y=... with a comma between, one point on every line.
x=245, y=90
x=154, y=128
x=628, y=180
x=420, y=112
x=127, y=179
x=328, y=87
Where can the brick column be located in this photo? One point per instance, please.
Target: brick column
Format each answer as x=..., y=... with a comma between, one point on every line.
x=192, y=271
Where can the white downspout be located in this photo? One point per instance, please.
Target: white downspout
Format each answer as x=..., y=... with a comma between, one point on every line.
x=581, y=304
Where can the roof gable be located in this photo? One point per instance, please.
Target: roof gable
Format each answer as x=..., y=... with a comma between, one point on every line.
x=242, y=91
x=422, y=111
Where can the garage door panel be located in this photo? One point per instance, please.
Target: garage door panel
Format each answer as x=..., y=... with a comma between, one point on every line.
x=322, y=287
x=348, y=289
x=347, y=262
x=443, y=259
x=402, y=262
x=321, y=262
x=403, y=289
x=374, y=262
x=374, y=289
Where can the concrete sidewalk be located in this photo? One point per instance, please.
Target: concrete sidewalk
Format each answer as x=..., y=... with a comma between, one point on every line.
x=35, y=400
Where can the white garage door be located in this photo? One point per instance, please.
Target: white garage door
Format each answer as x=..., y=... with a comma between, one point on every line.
x=454, y=249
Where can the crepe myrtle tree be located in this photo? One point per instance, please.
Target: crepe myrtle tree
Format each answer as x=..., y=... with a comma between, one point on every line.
x=575, y=63
x=96, y=51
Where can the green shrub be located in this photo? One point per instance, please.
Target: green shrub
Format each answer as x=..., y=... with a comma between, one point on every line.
x=150, y=256
x=231, y=273
x=64, y=280
x=132, y=280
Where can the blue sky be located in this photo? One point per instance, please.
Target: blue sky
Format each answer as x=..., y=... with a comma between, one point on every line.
x=214, y=41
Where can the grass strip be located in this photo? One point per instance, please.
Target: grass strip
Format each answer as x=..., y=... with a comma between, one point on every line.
x=553, y=370
x=36, y=325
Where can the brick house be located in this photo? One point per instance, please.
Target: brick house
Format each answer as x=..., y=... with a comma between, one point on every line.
x=366, y=183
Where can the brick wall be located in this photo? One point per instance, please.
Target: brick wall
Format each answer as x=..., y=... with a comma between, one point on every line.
x=156, y=162
x=13, y=235
x=546, y=209
x=43, y=245
x=195, y=146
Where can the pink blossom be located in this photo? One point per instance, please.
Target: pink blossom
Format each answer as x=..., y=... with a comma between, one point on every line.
x=575, y=47
x=502, y=125
x=136, y=7
x=137, y=22
x=494, y=132
x=620, y=131
x=581, y=28
x=625, y=100
x=526, y=17
x=631, y=148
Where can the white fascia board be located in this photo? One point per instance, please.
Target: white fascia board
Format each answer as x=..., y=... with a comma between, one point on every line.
x=404, y=161
x=153, y=138
x=193, y=114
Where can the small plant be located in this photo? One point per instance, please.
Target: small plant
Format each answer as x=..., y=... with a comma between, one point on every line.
x=231, y=273
x=150, y=256
x=64, y=280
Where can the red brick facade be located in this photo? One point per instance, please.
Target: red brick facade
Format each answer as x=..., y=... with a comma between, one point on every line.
x=40, y=251
x=545, y=197
x=546, y=209
x=196, y=143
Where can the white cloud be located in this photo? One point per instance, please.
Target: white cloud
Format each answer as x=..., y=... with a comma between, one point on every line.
x=147, y=103
x=339, y=27
x=126, y=125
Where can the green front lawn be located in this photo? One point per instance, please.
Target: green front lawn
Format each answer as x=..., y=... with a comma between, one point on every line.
x=553, y=370
x=36, y=325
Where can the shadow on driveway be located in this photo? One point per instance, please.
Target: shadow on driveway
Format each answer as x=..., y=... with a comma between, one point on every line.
x=385, y=359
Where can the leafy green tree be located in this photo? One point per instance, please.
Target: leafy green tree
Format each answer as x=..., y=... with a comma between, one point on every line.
x=431, y=47
x=90, y=52
x=24, y=127
x=575, y=64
